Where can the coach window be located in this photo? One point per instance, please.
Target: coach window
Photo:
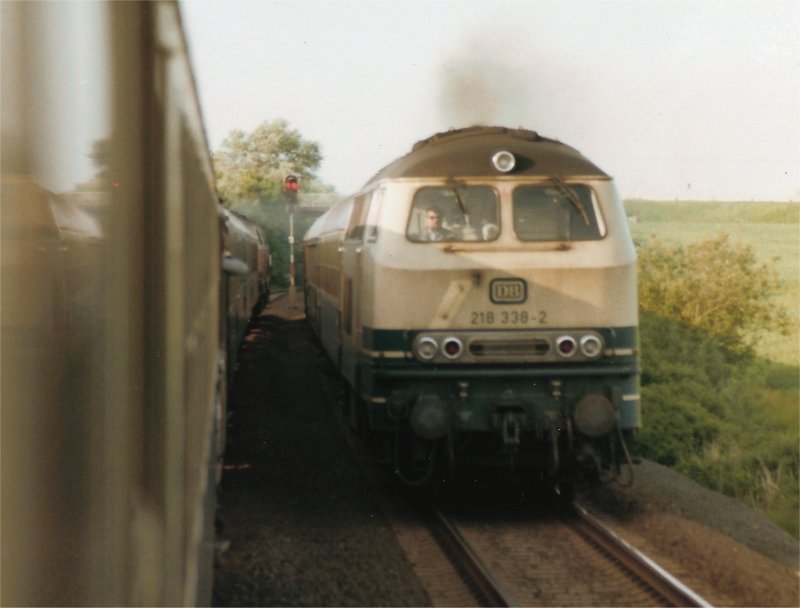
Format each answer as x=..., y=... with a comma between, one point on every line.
x=557, y=212
x=454, y=213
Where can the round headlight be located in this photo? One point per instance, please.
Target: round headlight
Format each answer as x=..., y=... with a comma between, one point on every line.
x=591, y=346
x=427, y=348
x=504, y=161
x=566, y=346
x=452, y=347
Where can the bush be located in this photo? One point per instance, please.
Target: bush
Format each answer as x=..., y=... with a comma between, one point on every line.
x=714, y=286
x=710, y=409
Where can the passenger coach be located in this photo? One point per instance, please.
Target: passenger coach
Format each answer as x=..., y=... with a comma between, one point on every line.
x=479, y=297
x=113, y=294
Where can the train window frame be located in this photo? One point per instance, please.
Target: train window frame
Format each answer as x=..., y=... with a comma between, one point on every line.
x=596, y=228
x=337, y=218
x=358, y=217
x=415, y=222
x=372, y=215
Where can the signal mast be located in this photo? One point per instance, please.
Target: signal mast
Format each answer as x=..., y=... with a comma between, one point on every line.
x=290, y=187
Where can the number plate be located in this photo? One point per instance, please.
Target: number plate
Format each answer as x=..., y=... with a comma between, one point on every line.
x=508, y=291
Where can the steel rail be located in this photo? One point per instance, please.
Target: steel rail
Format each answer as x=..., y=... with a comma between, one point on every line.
x=671, y=590
x=486, y=588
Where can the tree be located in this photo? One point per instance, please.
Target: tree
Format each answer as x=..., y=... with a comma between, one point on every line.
x=251, y=167
x=715, y=286
x=250, y=170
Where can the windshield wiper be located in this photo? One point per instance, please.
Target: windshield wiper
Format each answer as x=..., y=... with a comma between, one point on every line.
x=454, y=187
x=573, y=198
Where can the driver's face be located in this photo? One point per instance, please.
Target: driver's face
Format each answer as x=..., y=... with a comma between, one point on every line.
x=433, y=219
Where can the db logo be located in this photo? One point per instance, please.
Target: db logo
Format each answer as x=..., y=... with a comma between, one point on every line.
x=508, y=291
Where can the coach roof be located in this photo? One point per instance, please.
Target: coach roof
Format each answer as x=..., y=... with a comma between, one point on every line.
x=468, y=153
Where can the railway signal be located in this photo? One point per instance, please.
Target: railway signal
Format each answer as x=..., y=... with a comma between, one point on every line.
x=290, y=186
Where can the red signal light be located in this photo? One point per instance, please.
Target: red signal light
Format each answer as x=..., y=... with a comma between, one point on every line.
x=290, y=187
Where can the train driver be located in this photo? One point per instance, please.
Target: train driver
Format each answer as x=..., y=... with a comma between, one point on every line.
x=434, y=231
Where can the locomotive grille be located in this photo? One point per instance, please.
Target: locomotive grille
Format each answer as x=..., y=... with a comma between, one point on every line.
x=509, y=348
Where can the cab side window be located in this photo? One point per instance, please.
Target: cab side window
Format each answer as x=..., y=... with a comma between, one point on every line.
x=358, y=219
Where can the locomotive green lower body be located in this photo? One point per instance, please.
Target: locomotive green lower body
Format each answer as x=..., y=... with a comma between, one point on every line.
x=554, y=419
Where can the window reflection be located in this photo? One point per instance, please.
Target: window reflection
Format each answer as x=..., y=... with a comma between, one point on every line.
x=55, y=184
x=555, y=212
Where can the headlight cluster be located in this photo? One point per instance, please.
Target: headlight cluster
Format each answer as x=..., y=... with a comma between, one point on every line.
x=427, y=347
x=508, y=347
x=590, y=346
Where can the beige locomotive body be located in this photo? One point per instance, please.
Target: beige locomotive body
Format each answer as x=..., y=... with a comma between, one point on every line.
x=516, y=324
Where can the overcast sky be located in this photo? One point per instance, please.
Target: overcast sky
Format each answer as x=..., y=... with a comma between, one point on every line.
x=676, y=99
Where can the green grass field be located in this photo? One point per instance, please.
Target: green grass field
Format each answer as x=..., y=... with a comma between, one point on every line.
x=771, y=229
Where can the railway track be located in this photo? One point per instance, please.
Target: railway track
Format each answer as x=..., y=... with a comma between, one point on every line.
x=486, y=588
x=662, y=584
x=498, y=577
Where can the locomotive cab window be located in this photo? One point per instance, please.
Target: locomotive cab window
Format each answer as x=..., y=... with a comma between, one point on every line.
x=557, y=212
x=357, y=226
x=454, y=213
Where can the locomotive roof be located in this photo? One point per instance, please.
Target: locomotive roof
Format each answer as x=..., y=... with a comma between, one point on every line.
x=468, y=152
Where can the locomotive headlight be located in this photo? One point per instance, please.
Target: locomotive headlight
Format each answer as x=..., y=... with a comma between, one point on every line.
x=591, y=346
x=452, y=347
x=566, y=346
x=504, y=161
x=426, y=348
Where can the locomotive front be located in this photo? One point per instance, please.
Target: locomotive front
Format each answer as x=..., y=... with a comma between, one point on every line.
x=489, y=308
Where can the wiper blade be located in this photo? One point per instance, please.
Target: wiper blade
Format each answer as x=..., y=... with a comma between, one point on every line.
x=573, y=198
x=454, y=187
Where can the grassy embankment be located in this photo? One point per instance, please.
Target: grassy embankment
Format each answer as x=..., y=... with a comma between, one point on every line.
x=731, y=423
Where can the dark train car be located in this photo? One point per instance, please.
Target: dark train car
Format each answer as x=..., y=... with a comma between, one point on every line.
x=245, y=241
x=112, y=391
x=479, y=297
x=246, y=260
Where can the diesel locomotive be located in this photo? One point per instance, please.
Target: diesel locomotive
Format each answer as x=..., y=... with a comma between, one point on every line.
x=478, y=295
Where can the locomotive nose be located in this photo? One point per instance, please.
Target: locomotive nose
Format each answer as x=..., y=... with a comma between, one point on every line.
x=431, y=417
